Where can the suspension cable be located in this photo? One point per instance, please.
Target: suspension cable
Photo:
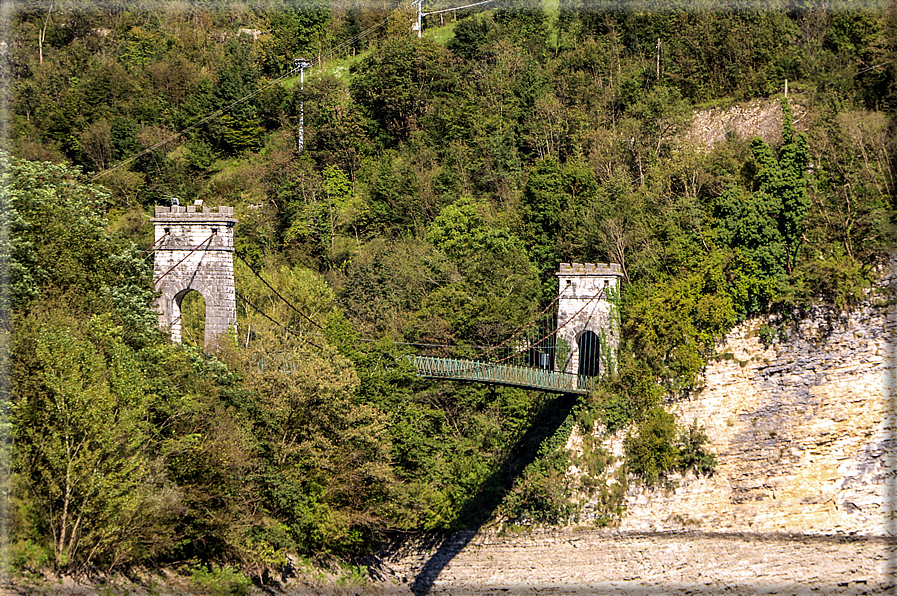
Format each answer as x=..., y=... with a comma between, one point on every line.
x=363, y=339
x=287, y=302
x=522, y=329
x=487, y=350
x=282, y=326
x=478, y=366
x=553, y=332
x=209, y=239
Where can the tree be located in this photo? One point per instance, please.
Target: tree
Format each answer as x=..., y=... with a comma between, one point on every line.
x=329, y=209
x=768, y=224
x=607, y=222
x=398, y=84
x=324, y=457
x=470, y=35
x=240, y=127
x=853, y=184
x=59, y=245
x=81, y=440
x=499, y=287
x=651, y=451
x=387, y=283
x=336, y=129
x=786, y=180
x=659, y=114
x=673, y=324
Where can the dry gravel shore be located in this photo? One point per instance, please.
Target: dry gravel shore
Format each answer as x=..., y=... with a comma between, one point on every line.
x=572, y=562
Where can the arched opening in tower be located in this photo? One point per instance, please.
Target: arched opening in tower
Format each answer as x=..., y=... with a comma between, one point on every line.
x=193, y=318
x=588, y=354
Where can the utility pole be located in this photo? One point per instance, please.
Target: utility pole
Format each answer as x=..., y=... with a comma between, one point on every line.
x=301, y=64
x=419, y=24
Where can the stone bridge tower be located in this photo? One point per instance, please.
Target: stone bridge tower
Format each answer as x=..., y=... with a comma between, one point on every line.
x=195, y=251
x=586, y=318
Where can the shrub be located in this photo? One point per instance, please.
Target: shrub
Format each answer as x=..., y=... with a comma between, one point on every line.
x=659, y=447
x=220, y=581
x=651, y=451
x=692, y=455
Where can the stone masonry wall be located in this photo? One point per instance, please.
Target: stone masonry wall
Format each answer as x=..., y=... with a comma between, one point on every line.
x=583, y=305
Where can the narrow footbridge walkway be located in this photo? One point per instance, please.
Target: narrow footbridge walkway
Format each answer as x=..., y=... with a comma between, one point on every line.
x=460, y=369
x=533, y=357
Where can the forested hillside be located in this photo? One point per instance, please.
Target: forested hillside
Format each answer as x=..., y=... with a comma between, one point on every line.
x=430, y=197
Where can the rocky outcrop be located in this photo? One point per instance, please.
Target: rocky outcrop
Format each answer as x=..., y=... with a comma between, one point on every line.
x=758, y=118
x=804, y=431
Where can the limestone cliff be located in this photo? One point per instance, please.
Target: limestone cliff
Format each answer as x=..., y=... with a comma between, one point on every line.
x=803, y=429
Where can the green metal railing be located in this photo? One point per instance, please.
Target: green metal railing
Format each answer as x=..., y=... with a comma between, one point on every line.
x=502, y=374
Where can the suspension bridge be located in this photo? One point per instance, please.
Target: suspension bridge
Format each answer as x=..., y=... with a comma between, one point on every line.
x=563, y=349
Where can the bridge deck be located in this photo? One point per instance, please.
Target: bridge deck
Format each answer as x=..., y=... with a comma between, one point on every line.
x=502, y=374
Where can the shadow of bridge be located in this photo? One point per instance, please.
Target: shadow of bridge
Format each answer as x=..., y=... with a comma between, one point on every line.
x=481, y=506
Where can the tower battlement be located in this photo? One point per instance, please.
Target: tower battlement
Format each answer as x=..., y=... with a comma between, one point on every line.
x=193, y=212
x=589, y=269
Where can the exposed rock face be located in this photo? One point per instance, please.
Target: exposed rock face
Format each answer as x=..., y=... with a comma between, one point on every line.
x=758, y=118
x=804, y=431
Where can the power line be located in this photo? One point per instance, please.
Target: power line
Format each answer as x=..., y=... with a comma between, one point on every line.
x=234, y=104
x=874, y=67
x=426, y=14
x=421, y=14
x=355, y=38
x=181, y=133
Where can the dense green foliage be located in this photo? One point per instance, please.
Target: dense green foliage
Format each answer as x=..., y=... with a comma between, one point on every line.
x=437, y=190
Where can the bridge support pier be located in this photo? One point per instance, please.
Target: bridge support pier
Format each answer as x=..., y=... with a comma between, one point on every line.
x=587, y=323
x=194, y=251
